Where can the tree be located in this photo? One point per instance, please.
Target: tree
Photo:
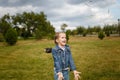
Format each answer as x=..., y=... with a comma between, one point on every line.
x=84, y=33
x=50, y=31
x=80, y=30
x=5, y=24
x=1, y=37
x=74, y=32
x=96, y=29
x=30, y=22
x=11, y=36
x=119, y=27
x=25, y=34
x=68, y=32
x=101, y=35
x=63, y=26
x=38, y=34
x=107, y=30
x=89, y=30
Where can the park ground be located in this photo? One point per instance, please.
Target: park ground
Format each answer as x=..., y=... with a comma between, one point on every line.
x=96, y=59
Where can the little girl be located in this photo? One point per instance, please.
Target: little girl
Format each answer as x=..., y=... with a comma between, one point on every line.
x=63, y=59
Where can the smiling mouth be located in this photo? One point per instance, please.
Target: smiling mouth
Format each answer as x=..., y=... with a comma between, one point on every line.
x=64, y=41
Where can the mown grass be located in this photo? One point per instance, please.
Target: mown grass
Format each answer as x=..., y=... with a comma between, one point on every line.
x=96, y=59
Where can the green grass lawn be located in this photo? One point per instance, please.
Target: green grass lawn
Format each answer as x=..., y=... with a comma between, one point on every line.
x=96, y=59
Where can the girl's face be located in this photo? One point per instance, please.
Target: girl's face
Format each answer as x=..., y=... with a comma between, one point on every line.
x=61, y=39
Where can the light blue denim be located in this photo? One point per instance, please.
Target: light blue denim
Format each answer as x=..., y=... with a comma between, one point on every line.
x=62, y=60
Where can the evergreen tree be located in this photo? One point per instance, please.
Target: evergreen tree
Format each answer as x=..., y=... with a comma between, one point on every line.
x=101, y=35
x=11, y=36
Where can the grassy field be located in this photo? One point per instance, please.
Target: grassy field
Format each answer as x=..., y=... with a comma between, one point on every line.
x=96, y=59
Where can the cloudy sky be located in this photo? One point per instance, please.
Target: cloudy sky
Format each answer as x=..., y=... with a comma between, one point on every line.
x=71, y=12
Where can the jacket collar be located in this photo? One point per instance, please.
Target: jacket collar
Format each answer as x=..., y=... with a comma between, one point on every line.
x=58, y=48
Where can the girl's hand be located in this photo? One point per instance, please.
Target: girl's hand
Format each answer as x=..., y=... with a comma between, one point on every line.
x=76, y=75
x=60, y=76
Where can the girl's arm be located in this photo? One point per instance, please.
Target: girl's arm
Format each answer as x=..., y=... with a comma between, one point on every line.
x=56, y=61
x=71, y=62
x=73, y=68
x=57, y=65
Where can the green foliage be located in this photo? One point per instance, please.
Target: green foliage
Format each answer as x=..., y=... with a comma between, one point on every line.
x=69, y=32
x=11, y=36
x=49, y=31
x=89, y=30
x=67, y=35
x=107, y=33
x=84, y=33
x=96, y=29
x=38, y=34
x=74, y=32
x=4, y=26
x=1, y=37
x=110, y=29
x=80, y=30
x=118, y=29
x=19, y=31
x=31, y=21
x=101, y=35
x=25, y=34
x=113, y=29
x=28, y=22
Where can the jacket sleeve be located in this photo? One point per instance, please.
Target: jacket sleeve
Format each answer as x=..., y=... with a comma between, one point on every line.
x=56, y=61
x=71, y=62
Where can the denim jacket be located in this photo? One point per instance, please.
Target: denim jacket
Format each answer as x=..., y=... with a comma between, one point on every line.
x=62, y=59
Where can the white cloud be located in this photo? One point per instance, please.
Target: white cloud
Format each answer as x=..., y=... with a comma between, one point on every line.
x=14, y=10
x=71, y=12
x=75, y=15
x=6, y=10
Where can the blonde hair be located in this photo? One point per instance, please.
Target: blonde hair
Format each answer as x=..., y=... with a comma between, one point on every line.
x=57, y=36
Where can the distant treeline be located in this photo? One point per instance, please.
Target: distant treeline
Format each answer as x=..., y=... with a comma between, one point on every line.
x=31, y=24
x=107, y=29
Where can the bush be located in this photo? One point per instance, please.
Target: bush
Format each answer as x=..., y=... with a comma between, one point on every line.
x=84, y=34
x=67, y=36
x=1, y=37
x=101, y=35
x=11, y=36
